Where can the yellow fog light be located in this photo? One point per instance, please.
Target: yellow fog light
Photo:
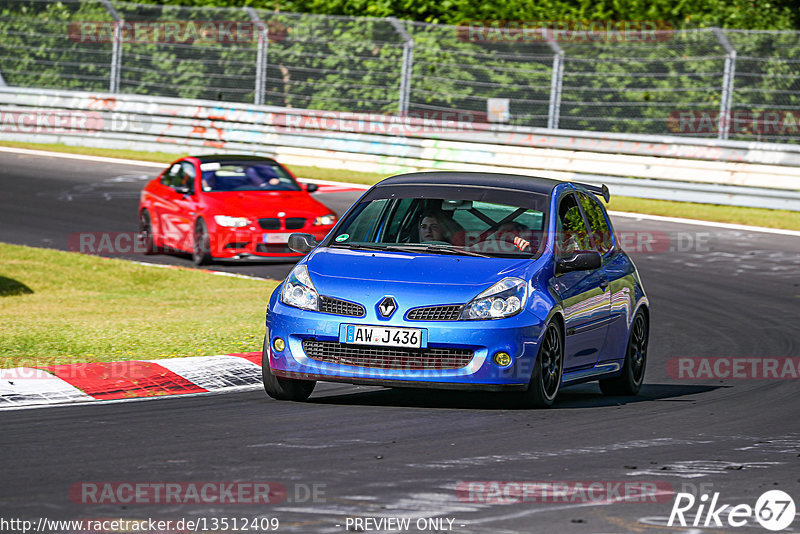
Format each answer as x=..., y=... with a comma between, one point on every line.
x=502, y=359
x=278, y=344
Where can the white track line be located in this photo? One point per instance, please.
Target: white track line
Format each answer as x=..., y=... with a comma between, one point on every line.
x=644, y=216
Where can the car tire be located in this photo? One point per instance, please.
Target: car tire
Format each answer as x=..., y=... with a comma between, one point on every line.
x=201, y=248
x=629, y=382
x=547, y=370
x=283, y=388
x=146, y=234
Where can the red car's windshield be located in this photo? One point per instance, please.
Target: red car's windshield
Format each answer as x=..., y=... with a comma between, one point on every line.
x=246, y=176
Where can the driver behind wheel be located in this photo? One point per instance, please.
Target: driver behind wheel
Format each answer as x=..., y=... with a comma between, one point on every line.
x=435, y=226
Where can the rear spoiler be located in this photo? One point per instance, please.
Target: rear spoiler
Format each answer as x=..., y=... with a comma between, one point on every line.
x=601, y=190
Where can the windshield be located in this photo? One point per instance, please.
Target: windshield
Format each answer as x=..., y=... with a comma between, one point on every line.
x=450, y=225
x=246, y=176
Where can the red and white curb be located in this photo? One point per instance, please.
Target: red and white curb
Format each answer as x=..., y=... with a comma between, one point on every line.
x=85, y=382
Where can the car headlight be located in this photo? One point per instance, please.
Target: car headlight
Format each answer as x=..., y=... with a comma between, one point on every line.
x=232, y=222
x=325, y=220
x=299, y=291
x=504, y=299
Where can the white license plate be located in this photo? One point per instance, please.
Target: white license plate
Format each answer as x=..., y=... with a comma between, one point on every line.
x=280, y=237
x=382, y=336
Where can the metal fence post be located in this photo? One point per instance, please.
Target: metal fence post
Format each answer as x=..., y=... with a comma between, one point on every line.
x=408, y=60
x=556, y=81
x=116, y=47
x=724, y=127
x=261, y=55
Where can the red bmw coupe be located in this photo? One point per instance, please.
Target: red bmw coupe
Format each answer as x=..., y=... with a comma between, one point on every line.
x=229, y=207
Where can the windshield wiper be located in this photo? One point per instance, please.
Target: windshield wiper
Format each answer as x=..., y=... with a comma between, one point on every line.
x=411, y=247
x=363, y=246
x=369, y=246
x=447, y=249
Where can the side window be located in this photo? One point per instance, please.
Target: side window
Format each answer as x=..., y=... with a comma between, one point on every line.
x=597, y=223
x=401, y=221
x=364, y=227
x=174, y=176
x=571, y=232
x=187, y=175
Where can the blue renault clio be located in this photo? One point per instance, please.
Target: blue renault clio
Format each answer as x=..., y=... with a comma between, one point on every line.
x=457, y=280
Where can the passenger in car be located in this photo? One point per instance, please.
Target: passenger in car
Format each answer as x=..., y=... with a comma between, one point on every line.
x=507, y=238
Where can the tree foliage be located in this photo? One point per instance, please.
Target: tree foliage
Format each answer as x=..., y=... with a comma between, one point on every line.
x=740, y=14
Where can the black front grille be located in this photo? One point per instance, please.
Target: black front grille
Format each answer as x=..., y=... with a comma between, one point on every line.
x=241, y=244
x=295, y=223
x=341, y=307
x=265, y=248
x=435, y=313
x=271, y=223
x=386, y=357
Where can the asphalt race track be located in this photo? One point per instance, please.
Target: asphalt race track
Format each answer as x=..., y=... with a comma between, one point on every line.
x=372, y=452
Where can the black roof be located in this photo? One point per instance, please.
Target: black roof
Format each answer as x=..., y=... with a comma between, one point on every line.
x=532, y=184
x=231, y=157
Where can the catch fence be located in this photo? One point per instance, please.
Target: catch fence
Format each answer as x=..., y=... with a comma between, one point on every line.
x=706, y=83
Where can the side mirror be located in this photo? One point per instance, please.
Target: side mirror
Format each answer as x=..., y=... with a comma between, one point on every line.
x=582, y=260
x=311, y=187
x=183, y=189
x=302, y=243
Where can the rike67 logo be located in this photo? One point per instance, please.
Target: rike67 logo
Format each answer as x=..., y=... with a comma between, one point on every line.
x=774, y=510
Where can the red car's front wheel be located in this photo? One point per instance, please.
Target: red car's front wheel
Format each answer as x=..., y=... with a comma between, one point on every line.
x=146, y=234
x=201, y=251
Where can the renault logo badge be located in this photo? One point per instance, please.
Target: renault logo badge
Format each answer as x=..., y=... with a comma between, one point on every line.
x=387, y=307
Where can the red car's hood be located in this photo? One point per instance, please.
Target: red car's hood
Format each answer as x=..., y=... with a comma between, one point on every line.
x=264, y=203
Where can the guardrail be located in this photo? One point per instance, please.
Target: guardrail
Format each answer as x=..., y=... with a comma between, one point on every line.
x=671, y=168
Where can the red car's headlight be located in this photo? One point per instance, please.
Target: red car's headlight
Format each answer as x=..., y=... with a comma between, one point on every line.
x=231, y=222
x=325, y=220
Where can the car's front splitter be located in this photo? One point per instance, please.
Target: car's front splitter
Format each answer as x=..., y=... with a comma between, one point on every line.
x=394, y=383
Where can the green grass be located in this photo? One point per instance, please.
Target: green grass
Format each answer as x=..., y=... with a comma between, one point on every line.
x=158, y=157
x=710, y=212
x=63, y=307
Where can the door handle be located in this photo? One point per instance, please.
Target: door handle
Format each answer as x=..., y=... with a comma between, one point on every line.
x=604, y=284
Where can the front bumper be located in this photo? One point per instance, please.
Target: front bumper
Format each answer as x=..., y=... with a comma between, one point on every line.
x=251, y=243
x=518, y=336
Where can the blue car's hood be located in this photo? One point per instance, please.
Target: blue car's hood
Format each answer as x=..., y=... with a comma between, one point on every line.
x=364, y=276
